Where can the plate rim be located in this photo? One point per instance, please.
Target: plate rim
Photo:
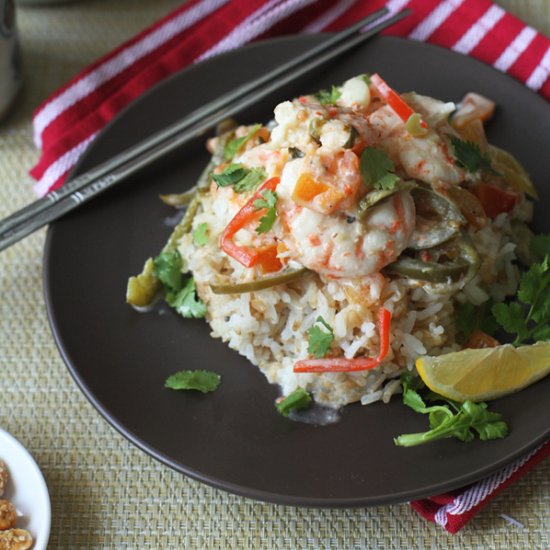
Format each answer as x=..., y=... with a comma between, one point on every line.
x=217, y=483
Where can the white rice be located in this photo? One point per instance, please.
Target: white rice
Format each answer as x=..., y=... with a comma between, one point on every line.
x=269, y=327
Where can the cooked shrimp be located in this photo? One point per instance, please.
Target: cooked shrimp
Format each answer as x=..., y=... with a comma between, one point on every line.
x=327, y=181
x=428, y=159
x=264, y=156
x=340, y=245
x=424, y=158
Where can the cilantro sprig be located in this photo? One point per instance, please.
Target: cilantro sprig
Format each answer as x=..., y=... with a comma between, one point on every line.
x=230, y=175
x=469, y=156
x=180, y=292
x=200, y=380
x=298, y=400
x=185, y=300
x=540, y=246
x=470, y=318
x=234, y=145
x=377, y=169
x=528, y=317
x=269, y=202
x=450, y=419
x=321, y=336
x=241, y=178
x=328, y=97
x=200, y=235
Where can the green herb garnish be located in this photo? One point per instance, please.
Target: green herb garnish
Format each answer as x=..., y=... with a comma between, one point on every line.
x=180, y=292
x=540, y=246
x=241, y=178
x=321, y=336
x=299, y=399
x=326, y=97
x=186, y=302
x=470, y=318
x=269, y=202
x=230, y=175
x=201, y=380
x=377, y=169
x=200, y=235
x=460, y=420
x=250, y=181
x=468, y=155
x=167, y=268
x=234, y=145
x=533, y=297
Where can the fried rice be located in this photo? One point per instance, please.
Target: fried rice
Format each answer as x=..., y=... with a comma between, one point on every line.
x=271, y=327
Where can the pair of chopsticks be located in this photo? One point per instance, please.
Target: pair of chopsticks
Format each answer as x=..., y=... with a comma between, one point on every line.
x=107, y=174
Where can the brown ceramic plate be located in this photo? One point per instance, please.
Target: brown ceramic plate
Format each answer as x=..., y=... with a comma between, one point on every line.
x=233, y=438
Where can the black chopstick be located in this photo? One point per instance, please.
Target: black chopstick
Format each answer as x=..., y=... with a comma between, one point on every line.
x=107, y=174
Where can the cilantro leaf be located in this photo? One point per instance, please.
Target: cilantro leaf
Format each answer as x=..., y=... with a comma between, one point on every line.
x=470, y=318
x=542, y=333
x=534, y=282
x=200, y=235
x=250, y=180
x=459, y=420
x=234, y=145
x=230, y=175
x=186, y=302
x=466, y=319
x=468, y=155
x=167, y=267
x=299, y=399
x=387, y=182
x=528, y=316
x=201, y=380
x=511, y=317
x=269, y=201
x=320, y=338
x=179, y=292
x=486, y=423
x=540, y=246
x=241, y=178
x=326, y=97
x=377, y=169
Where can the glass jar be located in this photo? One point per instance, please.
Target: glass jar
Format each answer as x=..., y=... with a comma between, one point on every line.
x=10, y=56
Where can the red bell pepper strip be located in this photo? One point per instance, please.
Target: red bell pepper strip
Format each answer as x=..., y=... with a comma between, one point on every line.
x=247, y=255
x=393, y=99
x=494, y=200
x=341, y=364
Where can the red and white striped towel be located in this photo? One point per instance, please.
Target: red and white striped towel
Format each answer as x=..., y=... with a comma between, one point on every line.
x=67, y=122
x=454, y=509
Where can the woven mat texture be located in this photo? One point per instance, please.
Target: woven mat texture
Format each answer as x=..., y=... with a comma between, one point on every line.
x=105, y=493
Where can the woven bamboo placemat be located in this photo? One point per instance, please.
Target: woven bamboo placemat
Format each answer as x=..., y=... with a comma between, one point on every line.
x=105, y=493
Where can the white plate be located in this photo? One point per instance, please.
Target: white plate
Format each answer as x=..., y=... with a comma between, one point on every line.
x=27, y=490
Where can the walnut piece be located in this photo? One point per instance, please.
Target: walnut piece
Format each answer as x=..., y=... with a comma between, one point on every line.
x=8, y=515
x=15, y=539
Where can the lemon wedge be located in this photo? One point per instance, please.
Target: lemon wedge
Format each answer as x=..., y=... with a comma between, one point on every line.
x=487, y=373
x=513, y=172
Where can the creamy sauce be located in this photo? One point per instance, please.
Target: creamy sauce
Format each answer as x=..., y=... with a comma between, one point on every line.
x=317, y=415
